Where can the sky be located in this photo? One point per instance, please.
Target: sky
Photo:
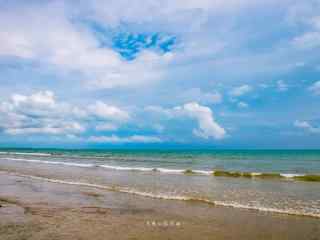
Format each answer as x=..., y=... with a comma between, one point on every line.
x=160, y=73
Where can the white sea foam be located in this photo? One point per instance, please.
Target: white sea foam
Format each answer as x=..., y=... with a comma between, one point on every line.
x=127, y=168
x=161, y=170
x=173, y=197
x=291, y=175
x=51, y=162
x=204, y=172
x=25, y=153
x=255, y=174
x=142, y=169
x=267, y=209
x=174, y=171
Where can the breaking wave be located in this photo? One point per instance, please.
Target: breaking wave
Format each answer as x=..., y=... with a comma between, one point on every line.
x=172, y=197
x=215, y=173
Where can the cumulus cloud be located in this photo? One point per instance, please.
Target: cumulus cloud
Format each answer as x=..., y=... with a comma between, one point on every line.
x=240, y=91
x=42, y=98
x=315, y=88
x=306, y=126
x=41, y=113
x=74, y=44
x=130, y=139
x=108, y=112
x=207, y=126
x=38, y=104
x=59, y=34
x=38, y=113
x=53, y=128
x=47, y=35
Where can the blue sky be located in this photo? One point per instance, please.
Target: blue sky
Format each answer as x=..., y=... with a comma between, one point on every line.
x=217, y=74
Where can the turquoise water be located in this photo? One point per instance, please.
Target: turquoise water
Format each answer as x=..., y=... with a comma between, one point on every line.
x=162, y=174
x=278, y=161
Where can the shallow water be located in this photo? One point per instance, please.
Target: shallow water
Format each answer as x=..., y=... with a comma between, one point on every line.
x=284, y=161
x=134, y=172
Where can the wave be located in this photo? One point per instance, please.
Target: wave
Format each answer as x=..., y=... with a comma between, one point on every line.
x=26, y=153
x=87, y=157
x=51, y=162
x=171, y=197
x=144, y=169
x=216, y=173
x=254, y=175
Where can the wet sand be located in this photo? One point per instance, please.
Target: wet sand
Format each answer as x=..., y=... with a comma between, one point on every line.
x=33, y=209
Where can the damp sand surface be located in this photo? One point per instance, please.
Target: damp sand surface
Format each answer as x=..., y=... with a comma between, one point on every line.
x=34, y=209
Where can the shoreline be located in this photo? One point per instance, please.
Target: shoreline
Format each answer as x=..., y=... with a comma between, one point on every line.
x=163, y=197
x=305, y=177
x=41, y=210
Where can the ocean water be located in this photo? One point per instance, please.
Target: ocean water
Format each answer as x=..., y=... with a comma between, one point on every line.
x=278, y=181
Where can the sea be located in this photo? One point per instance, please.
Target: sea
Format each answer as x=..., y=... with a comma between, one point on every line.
x=272, y=181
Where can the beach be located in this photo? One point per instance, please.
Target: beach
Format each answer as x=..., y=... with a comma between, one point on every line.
x=170, y=195
x=34, y=209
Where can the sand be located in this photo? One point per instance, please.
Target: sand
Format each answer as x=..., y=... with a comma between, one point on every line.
x=33, y=209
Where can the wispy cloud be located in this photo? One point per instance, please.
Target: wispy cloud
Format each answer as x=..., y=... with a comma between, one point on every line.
x=130, y=139
x=282, y=86
x=240, y=91
x=242, y=104
x=315, y=88
x=306, y=126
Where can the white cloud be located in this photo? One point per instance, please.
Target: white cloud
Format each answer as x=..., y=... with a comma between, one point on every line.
x=308, y=40
x=148, y=67
x=306, y=126
x=240, y=91
x=158, y=110
x=130, y=139
x=282, y=86
x=58, y=34
x=40, y=113
x=42, y=98
x=315, y=88
x=307, y=14
x=107, y=127
x=38, y=104
x=47, y=35
x=166, y=12
x=197, y=95
x=108, y=112
x=54, y=129
x=242, y=105
x=208, y=127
